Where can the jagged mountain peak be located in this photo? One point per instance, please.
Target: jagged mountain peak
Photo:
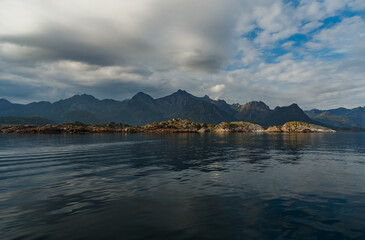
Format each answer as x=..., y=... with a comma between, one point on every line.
x=141, y=96
x=293, y=112
x=182, y=93
x=255, y=105
x=41, y=103
x=83, y=97
x=206, y=97
x=86, y=96
x=254, y=111
x=292, y=106
x=77, y=101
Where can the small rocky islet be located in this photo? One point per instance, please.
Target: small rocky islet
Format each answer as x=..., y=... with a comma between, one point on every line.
x=175, y=125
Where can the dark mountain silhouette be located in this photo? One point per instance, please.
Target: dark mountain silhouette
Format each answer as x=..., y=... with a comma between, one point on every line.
x=142, y=109
x=221, y=104
x=257, y=112
x=293, y=112
x=182, y=104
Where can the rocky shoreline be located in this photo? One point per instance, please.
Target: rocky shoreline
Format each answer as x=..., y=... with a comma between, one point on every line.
x=175, y=125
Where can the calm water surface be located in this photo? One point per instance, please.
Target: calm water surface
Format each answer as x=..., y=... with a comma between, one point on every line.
x=183, y=186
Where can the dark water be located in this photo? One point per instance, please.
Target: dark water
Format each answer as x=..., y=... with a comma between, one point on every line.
x=232, y=186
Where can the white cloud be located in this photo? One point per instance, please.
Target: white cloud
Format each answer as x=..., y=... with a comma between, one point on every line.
x=309, y=83
x=357, y=5
x=341, y=37
x=217, y=88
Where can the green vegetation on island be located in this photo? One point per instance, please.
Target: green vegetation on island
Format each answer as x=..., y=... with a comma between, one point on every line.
x=175, y=125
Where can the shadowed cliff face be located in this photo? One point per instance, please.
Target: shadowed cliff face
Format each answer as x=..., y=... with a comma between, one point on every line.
x=221, y=104
x=281, y=115
x=257, y=112
x=142, y=109
x=184, y=105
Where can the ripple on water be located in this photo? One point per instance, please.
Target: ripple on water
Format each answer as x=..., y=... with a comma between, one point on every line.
x=184, y=186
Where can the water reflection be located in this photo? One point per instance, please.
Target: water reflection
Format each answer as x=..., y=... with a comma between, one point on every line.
x=184, y=186
x=178, y=215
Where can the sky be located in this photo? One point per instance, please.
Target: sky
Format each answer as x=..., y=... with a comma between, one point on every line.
x=307, y=52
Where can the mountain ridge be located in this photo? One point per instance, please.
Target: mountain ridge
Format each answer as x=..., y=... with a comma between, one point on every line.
x=340, y=117
x=142, y=109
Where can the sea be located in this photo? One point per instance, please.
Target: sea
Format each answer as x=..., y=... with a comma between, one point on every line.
x=183, y=186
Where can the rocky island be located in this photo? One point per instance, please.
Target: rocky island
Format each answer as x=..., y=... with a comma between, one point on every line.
x=175, y=125
x=299, y=127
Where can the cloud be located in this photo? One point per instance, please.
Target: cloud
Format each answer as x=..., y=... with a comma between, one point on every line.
x=185, y=34
x=217, y=88
x=356, y=5
x=91, y=43
x=311, y=52
x=342, y=37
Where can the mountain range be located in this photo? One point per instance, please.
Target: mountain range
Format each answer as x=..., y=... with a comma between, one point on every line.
x=339, y=117
x=142, y=109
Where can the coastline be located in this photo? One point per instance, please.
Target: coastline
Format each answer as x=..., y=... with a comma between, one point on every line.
x=171, y=126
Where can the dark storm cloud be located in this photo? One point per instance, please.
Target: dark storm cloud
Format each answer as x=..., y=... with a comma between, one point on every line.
x=204, y=63
x=11, y=89
x=113, y=41
x=58, y=44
